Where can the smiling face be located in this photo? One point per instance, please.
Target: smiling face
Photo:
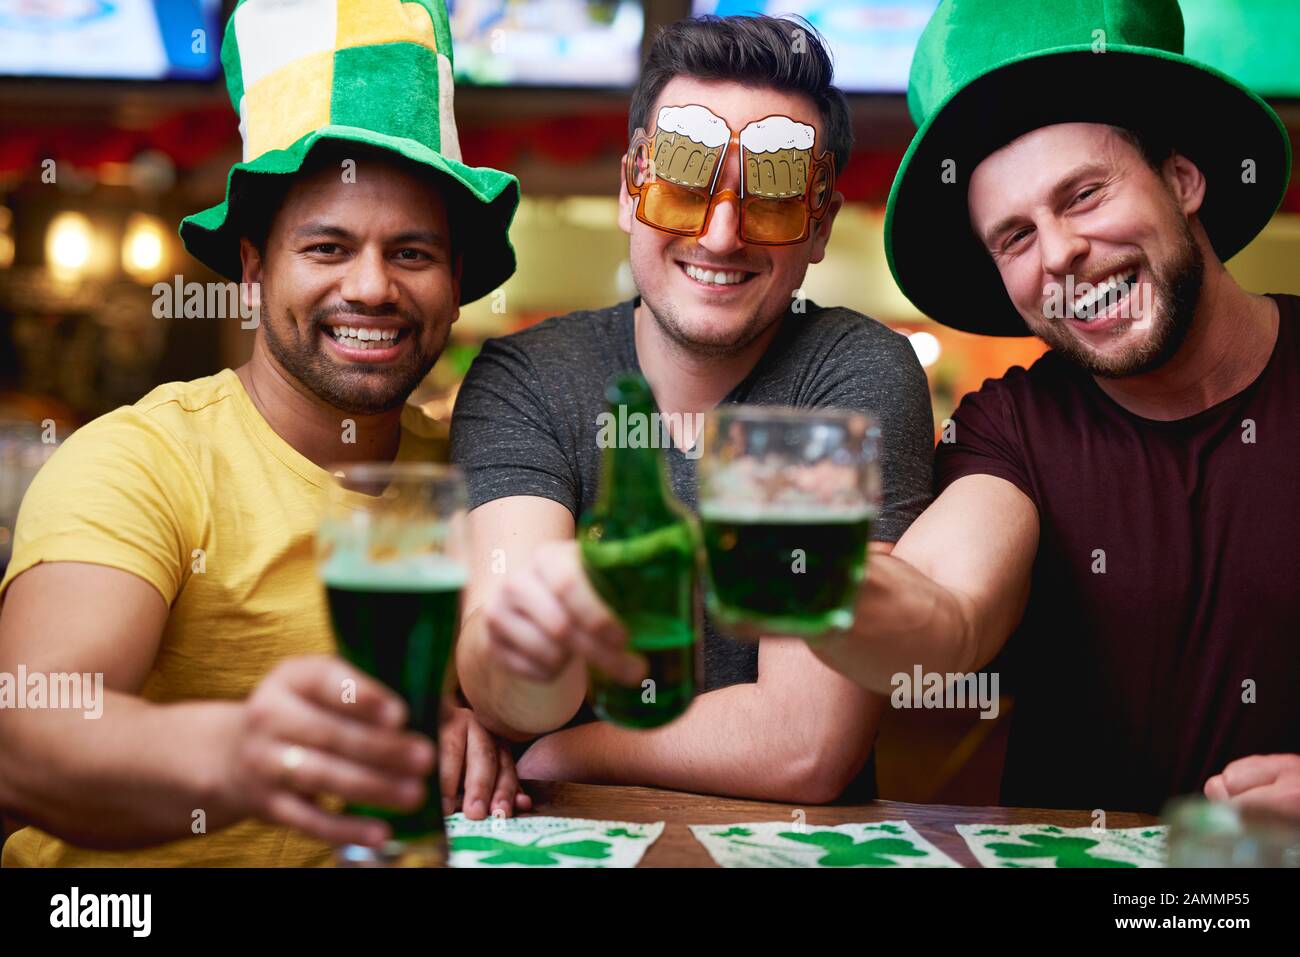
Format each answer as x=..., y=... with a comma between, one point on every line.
x=359, y=286
x=1099, y=253
x=715, y=294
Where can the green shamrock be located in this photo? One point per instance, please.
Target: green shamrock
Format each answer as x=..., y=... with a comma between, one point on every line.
x=530, y=854
x=623, y=832
x=887, y=828
x=1050, y=829
x=1067, y=851
x=992, y=830
x=842, y=851
x=1150, y=833
x=734, y=832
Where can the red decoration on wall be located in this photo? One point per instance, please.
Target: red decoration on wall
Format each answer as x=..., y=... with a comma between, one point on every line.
x=193, y=136
x=188, y=138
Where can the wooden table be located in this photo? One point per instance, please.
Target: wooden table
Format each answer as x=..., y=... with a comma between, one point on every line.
x=677, y=847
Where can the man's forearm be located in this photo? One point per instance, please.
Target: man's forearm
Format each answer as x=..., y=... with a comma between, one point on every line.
x=131, y=778
x=740, y=741
x=904, y=619
x=506, y=704
x=950, y=592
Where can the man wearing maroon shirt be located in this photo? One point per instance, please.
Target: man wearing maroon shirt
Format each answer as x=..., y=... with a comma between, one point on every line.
x=1126, y=511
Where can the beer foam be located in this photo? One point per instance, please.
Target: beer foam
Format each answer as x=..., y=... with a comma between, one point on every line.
x=776, y=133
x=696, y=122
x=786, y=513
x=349, y=569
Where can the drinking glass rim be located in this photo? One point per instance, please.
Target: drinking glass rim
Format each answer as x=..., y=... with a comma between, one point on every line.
x=754, y=410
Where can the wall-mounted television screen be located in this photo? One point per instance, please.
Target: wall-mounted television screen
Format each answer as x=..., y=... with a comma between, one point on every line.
x=584, y=43
x=111, y=39
x=872, y=41
x=580, y=43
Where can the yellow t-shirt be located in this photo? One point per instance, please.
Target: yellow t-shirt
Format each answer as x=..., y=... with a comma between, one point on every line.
x=191, y=490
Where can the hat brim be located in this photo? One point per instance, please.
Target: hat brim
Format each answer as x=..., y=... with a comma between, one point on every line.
x=1206, y=115
x=481, y=205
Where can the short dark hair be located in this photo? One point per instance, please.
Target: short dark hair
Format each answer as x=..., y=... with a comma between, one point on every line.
x=1154, y=146
x=783, y=54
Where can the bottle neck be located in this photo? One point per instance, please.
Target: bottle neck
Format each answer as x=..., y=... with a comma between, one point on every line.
x=632, y=472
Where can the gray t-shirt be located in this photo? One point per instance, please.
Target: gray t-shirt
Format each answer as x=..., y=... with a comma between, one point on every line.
x=525, y=421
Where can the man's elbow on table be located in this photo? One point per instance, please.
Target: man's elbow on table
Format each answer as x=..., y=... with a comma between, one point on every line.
x=819, y=773
x=818, y=760
x=817, y=726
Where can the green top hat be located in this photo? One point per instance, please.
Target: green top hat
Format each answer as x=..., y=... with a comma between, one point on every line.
x=988, y=71
x=377, y=72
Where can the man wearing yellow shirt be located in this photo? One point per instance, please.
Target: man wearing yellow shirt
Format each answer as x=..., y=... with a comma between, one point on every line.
x=168, y=544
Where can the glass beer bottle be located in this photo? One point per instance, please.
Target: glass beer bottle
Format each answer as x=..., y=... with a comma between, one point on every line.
x=638, y=549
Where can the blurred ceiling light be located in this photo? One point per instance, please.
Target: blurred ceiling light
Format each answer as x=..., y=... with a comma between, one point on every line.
x=153, y=172
x=67, y=243
x=926, y=347
x=143, y=247
x=6, y=238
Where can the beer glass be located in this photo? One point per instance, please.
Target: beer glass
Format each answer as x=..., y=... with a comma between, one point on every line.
x=787, y=498
x=1221, y=835
x=391, y=552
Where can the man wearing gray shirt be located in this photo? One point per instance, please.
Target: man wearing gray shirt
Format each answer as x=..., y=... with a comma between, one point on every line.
x=719, y=319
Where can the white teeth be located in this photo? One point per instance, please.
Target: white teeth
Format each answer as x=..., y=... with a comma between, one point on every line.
x=1085, y=307
x=718, y=278
x=360, y=338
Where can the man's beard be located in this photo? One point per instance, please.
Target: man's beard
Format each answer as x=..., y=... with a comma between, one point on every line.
x=359, y=390
x=669, y=321
x=1176, y=287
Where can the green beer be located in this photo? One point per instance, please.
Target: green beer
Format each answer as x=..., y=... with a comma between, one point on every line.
x=638, y=550
x=397, y=621
x=792, y=573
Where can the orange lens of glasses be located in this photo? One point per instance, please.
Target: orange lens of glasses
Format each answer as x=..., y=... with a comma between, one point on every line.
x=675, y=208
x=773, y=220
x=683, y=210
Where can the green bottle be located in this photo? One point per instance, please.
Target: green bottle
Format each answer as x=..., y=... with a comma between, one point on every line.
x=638, y=549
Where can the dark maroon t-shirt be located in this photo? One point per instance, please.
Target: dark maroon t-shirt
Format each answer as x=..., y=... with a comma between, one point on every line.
x=1129, y=682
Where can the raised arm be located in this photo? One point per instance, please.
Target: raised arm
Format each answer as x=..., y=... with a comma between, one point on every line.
x=531, y=621
x=797, y=735
x=135, y=774
x=123, y=778
x=505, y=534
x=952, y=591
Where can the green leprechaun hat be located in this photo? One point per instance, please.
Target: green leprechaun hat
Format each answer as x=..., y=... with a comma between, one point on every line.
x=377, y=72
x=988, y=71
